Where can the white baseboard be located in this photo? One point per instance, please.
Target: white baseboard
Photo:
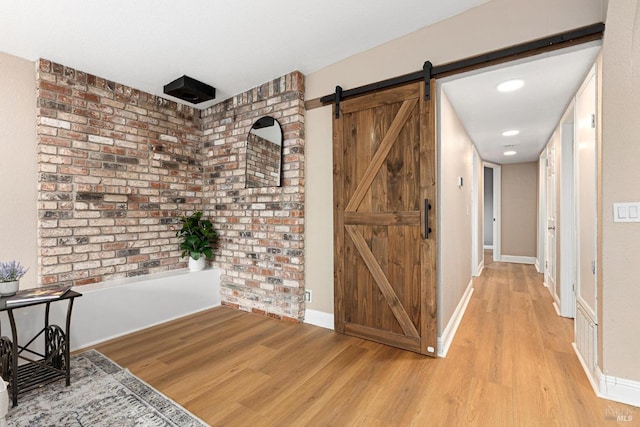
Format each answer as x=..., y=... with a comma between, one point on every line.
x=537, y=264
x=319, y=318
x=518, y=259
x=479, y=269
x=488, y=246
x=555, y=306
x=619, y=389
x=445, y=340
x=611, y=388
x=590, y=375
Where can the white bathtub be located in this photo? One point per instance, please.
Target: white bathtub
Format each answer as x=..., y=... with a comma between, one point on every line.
x=110, y=309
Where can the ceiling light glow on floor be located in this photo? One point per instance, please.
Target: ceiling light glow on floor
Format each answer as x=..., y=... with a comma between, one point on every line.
x=510, y=153
x=510, y=85
x=513, y=132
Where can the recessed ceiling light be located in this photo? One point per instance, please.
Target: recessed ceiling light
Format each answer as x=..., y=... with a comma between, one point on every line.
x=510, y=153
x=512, y=132
x=510, y=85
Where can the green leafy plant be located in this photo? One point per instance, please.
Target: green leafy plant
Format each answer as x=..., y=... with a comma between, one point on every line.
x=198, y=236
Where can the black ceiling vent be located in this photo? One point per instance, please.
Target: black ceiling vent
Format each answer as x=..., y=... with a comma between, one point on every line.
x=190, y=90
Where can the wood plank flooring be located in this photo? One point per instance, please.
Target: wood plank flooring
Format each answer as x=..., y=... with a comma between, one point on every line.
x=511, y=364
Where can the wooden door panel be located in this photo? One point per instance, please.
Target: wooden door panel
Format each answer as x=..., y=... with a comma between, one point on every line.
x=376, y=159
x=381, y=177
x=386, y=97
x=367, y=304
x=382, y=281
x=384, y=337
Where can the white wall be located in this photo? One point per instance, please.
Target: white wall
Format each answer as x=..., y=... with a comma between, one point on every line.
x=619, y=265
x=319, y=209
x=110, y=309
x=18, y=176
x=477, y=214
x=455, y=159
x=518, y=213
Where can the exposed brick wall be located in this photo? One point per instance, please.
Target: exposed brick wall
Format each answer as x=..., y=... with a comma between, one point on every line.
x=261, y=229
x=263, y=162
x=116, y=166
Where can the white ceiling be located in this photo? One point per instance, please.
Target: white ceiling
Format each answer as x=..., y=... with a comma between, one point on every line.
x=550, y=81
x=233, y=45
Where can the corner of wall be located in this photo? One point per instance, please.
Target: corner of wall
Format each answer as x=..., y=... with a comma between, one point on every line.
x=18, y=184
x=117, y=166
x=261, y=229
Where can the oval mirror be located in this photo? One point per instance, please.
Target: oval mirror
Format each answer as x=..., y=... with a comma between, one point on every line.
x=264, y=154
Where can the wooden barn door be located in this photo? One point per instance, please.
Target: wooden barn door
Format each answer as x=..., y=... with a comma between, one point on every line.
x=384, y=179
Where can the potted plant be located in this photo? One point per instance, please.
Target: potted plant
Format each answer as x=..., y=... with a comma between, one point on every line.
x=198, y=239
x=10, y=274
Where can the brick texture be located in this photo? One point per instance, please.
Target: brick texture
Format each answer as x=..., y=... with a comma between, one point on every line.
x=117, y=166
x=262, y=229
x=263, y=162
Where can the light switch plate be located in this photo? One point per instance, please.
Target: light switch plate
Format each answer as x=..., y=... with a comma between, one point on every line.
x=626, y=212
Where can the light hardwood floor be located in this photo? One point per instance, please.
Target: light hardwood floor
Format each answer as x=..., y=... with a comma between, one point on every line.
x=511, y=364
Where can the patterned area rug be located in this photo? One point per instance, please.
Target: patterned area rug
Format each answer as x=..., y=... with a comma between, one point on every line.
x=101, y=394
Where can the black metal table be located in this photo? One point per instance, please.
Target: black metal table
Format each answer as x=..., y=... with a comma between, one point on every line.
x=53, y=365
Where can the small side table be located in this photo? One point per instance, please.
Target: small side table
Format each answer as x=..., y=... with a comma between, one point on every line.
x=53, y=365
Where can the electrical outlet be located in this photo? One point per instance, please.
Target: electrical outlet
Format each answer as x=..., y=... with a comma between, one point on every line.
x=307, y=296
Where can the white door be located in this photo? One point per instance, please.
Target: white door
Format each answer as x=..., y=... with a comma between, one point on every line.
x=586, y=174
x=566, y=232
x=550, y=252
x=586, y=320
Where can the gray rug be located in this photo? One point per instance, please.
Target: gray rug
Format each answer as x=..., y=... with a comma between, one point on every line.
x=101, y=394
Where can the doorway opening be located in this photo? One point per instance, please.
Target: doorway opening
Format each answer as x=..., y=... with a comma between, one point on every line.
x=491, y=209
x=510, y=131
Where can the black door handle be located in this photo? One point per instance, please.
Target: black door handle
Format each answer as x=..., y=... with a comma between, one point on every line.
x=427, y=229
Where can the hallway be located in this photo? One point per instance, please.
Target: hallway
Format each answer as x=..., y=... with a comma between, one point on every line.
x=511, y=364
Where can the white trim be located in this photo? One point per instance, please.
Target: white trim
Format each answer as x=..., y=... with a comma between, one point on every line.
x=319, y=318
x=497, y=206
x=518, y=259
x=556, y=302
x=445, y=340
x=591, y=314
x=567, y=259
x=479, y=268
x=619, y=389
x=555, y=306
x=490, y=247
x=609, y=387
x=476, y=253
x=542, y=212
x=590, y=374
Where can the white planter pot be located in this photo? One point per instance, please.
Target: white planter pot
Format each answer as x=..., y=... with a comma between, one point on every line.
x=9, y=288
x=196, y=265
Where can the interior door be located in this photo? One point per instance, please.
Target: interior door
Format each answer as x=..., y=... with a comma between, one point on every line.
x=385, y=233
x=550, y=264
x=586, y=196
